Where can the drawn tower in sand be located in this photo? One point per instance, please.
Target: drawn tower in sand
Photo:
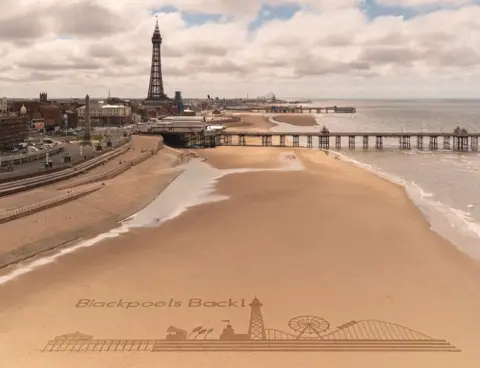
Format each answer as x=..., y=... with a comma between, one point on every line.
x=256, y=328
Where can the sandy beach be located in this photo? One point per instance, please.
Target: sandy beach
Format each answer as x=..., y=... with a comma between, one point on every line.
x=255, y=122
x=331, y=241
x=296, y=119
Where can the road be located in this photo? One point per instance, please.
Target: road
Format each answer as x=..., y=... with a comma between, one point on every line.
x=38, y=166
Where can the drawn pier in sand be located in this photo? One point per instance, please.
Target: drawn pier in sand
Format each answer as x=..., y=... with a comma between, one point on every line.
x=309, y=334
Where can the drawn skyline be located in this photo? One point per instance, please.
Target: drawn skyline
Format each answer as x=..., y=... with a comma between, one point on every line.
x=310, y=333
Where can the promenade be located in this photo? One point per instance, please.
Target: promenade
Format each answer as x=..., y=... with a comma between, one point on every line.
x=33, y=163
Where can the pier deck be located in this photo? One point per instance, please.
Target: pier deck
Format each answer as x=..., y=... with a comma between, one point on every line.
x=197, y=135
x=458, y=142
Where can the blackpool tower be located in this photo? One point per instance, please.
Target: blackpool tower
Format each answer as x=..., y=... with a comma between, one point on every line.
x=157, y=101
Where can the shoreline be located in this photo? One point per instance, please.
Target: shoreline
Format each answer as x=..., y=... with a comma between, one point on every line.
x=249, y=123
x=438, y=222
x=98, y=206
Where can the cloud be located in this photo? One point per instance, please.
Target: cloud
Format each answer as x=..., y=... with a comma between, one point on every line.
x=86, y=18
x=83, y=46
x=16, y=28
x=42, y=65
x=422, y=3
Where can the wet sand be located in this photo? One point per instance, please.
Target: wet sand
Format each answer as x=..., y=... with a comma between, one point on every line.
x=331, y=241
x=251, y=122
x=296, y=119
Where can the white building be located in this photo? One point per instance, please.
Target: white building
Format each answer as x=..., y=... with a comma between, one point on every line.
x=105, y=114
x=3, y=106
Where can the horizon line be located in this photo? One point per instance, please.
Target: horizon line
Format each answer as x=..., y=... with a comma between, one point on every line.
x=279, y=98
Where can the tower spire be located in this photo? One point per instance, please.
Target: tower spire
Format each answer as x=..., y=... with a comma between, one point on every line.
x=156, y=33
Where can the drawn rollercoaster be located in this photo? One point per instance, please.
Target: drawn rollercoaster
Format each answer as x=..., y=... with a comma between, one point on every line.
x=310, y=334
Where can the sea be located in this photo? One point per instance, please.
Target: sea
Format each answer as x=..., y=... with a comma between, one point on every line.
x=445, y=185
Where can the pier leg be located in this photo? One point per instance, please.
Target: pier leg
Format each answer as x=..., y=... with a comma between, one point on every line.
x=365, y=142
x=379, y=142
x=269, y=140
x=446, y=143
x=420, y=142
x=338, y=142
x=296, y=142
x=309, y=141
x=465, y=144
x=404, y=142
x=433, y=145
x=282, y=140
x=474, y=143
x=326, y=142
x=351, y=142
x=242, y=140
x=264, y=140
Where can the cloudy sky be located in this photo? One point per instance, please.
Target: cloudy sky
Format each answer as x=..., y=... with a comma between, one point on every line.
x=231, y=48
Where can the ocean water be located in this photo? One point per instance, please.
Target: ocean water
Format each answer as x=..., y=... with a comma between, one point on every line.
x=445, y=185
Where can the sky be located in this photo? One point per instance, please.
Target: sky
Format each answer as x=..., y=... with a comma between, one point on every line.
x=350, y=49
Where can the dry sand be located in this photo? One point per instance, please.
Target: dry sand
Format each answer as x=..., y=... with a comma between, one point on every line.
x=331, y=241
x=296, y=119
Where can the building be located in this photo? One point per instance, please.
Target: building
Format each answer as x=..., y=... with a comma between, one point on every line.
x=41, y=108
x=38, y=124
x=52, y=116
x=13, y=130
x=3, y=106
x=106, y=114
x=72, y=119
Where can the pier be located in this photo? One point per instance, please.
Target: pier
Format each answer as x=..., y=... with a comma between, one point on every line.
x=199, y=135
x=366, y=140
x=294, y=109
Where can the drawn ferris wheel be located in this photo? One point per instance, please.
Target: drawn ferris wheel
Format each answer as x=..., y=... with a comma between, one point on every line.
x=308, y=325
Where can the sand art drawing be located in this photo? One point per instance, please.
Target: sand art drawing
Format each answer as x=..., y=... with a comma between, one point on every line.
x=309, y=334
